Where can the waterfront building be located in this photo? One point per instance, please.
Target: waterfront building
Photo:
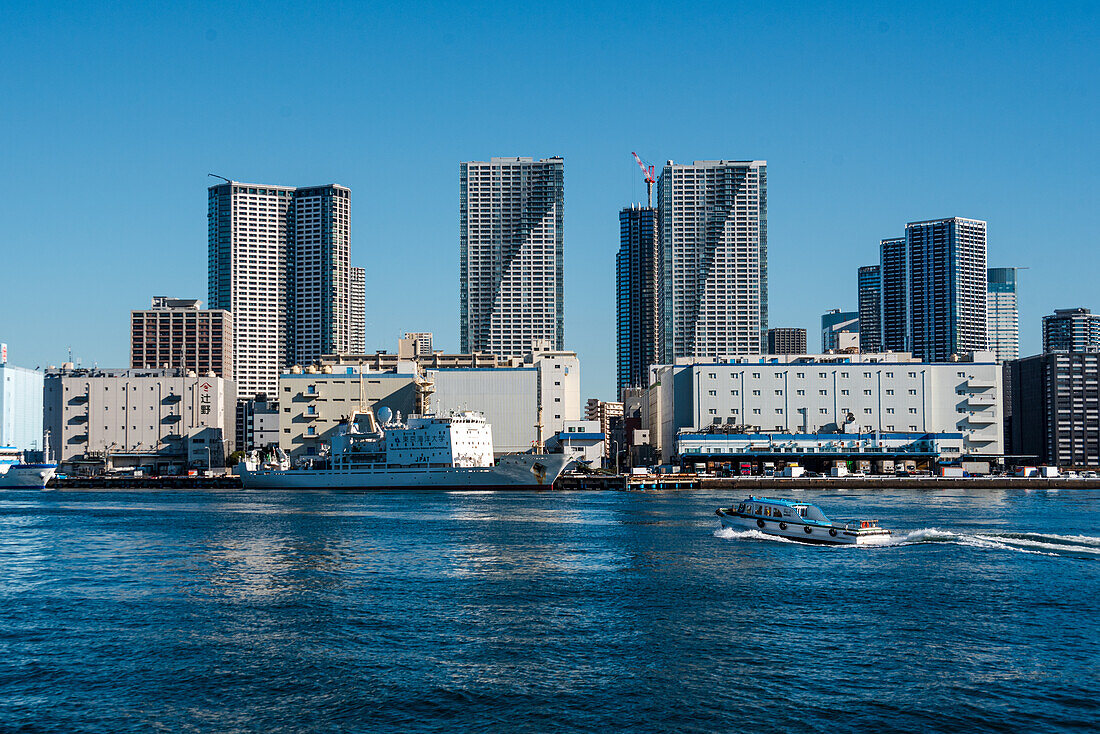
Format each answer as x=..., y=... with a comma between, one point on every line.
x=279, y=262
x=870, y=308
x=609, y=417
x=1002, y=314
x=1056, y=401
x=175, y=332
x=583, y=441
x=418, y=342
x=786, y=341
x=160, y=420
x=712, y=276
x=829, y=394
x=636, y=290
x=839, y=331
x=519, y=396
x=894, y=283
x=934, y=288
x=511, y=260
x=20, y=405
x=1071, y=330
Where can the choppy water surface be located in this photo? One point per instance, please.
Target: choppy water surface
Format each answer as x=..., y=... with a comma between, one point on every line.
x=318, y=612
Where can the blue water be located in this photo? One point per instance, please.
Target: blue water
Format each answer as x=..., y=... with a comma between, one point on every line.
x=322, y=612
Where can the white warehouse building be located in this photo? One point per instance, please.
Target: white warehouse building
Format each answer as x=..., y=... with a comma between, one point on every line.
x=828, y=394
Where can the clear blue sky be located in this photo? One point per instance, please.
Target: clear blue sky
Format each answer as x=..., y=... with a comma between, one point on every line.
x=112, y=115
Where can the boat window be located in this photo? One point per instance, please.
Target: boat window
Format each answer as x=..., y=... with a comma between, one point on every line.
x=741, y=507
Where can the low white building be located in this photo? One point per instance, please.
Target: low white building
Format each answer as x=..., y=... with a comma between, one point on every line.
x=583, y=440
x=159, y=420
x=828, y=394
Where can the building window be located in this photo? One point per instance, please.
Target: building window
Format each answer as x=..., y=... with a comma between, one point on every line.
x=712, y=392
x=866, y=410
x=866, y=374
x=800, y=392
x=843, y=392
x=734, y=392
x=912, y=392
x=866, y=392
x=823, y=411
x=912, y=374
x=755, y=392
x=913, y=410
x=890, y=411
x=756, y=411
x=889, y=392
x=712, y=375
x=800, y=375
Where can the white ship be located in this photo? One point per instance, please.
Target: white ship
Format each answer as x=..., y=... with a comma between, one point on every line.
x=453, y=452
x=14, y=474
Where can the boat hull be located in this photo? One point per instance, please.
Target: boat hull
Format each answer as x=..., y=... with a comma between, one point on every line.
x=518, y=471
x=819, y=534
x=27, y=476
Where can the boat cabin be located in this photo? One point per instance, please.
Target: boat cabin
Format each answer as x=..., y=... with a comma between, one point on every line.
x=777, y=509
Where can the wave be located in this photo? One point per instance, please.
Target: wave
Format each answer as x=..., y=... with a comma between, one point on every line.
x=731, y=534
x=1045, y=544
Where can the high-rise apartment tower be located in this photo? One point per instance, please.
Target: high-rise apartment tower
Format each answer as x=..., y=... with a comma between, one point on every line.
x=278, y=261
x=870, y=308
x=1002, y=314
x=636, y=302
x=1071, y=330
x=175, y=332
x=934, y=289
x=511, y=265
x=713, y=268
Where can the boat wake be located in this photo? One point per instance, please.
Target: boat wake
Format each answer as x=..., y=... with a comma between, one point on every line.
x=1045, y=544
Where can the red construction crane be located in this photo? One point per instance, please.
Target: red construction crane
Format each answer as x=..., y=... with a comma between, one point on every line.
x=650, y=179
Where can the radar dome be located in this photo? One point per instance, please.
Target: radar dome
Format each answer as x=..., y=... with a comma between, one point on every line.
x=385, y=414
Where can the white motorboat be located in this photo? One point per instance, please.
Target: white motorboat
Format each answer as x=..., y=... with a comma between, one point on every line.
x=800, y=521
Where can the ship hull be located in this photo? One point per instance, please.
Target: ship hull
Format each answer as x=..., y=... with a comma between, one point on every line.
x=27, y=476
x=519, y=471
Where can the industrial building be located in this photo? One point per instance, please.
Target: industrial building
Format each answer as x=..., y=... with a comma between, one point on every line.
x=511, y=261
x=20, y=405
x=518, y=396
x=828, y=394
x=162, y=421
x=176, y=333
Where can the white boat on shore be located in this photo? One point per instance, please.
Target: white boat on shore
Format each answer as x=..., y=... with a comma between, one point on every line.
x=453, y=452
x=800, y=521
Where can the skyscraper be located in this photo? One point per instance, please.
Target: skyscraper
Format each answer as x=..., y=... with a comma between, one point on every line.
x=320, y=279
x=1002, y=314
x=358, y=339
x=636, y=303
x=870, y=308
x=1071, y=330
x=934, y=289
x=278, y=261
x=511, y=266
x=713, y=269
x=894, y=285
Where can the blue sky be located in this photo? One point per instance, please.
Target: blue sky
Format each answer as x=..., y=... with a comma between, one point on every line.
x=113, y=114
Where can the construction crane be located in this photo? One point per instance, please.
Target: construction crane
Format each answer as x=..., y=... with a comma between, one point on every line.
x=649, y=179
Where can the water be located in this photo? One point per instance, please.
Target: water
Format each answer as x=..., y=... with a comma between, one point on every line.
x=322, y=612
